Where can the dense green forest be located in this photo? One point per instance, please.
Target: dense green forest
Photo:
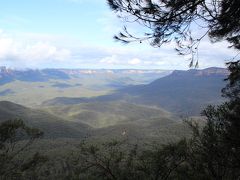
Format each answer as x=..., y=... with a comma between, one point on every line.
x=211, y=151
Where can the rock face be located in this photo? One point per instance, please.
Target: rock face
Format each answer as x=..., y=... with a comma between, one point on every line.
x=213, y=71
x=3, y=72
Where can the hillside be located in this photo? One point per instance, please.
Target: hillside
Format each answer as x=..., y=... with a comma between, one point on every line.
x=181, y=92
x=117, y=120
x=52, y=126
x=105, y=114
x=99, y=121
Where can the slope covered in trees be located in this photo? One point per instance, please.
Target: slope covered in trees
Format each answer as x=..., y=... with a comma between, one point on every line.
x=182, y=92
x=51, y=125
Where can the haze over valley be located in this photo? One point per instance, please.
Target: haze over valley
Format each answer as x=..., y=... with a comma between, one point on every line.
x=75, y=103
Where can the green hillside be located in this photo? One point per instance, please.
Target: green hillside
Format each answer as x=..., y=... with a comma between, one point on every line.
x=52, y=126
x=32, y=94
x=121, y=120
x=98, y=121
x=104, y=114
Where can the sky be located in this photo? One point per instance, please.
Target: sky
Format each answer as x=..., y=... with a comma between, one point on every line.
x=79, y=34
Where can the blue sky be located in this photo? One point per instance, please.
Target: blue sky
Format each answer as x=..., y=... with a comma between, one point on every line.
x=78, y=34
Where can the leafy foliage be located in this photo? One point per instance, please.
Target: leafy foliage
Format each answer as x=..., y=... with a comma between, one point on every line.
x=167, y=20
x=111, y=160
x=15, y=138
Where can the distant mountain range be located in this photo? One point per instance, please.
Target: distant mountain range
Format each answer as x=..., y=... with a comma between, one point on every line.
x=7, y=75
x=181, y=92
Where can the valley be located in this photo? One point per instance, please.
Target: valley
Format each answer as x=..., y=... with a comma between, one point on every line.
x=103, y=113
x=109, y=103
x=120, y=90
x=32, y=87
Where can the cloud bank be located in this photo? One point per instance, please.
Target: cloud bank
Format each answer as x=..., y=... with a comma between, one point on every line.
x=48, y=51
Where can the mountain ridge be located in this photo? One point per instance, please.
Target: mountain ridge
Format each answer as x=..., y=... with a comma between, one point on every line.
x=181, y=92
x=42, y=75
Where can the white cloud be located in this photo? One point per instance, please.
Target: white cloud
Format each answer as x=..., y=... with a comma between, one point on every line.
x=18, y=52
x=6, y=45
x=46, y=50
x=110, y=60
x=134, y=61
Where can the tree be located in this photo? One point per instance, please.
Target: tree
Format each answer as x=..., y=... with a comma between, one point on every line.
x=111, y=160
x=214, y=151
x=174, y=20
x=232, y=115
x=15, y=139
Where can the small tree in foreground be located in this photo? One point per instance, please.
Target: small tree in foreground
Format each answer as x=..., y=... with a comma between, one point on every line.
x=214, y=151
x=15, y=139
